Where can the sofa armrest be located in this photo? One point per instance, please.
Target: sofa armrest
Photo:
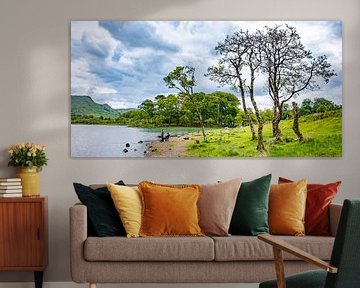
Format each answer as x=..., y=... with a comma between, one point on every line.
x=78, y=235
x=334, y=217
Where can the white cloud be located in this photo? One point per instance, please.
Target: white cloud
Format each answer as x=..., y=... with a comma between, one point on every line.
x=127, y=75
x=119, y=104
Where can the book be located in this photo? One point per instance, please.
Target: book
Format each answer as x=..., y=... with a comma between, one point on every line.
x=10, y=191
x=4, y=195
x=10, y=187
x=10, y=183
x=10, y=180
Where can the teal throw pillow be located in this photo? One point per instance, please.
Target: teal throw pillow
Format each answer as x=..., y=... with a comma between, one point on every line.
x=250, y=216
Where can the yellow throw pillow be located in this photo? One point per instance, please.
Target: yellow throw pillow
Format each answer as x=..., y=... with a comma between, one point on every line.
x=127, y=201
x=287, y=204
x=169, y=210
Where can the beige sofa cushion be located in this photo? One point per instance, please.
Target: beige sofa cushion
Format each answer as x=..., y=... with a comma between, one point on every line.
x=149, y=249
x=243, y=248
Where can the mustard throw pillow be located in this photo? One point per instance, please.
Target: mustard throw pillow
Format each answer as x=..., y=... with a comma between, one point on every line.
x=169, y=210
x=287, y=204
x=127, y=201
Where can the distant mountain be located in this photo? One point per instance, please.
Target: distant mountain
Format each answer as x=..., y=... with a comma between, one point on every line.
x=85, y=105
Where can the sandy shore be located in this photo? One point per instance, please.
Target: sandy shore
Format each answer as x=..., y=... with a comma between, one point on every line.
x=175, y=147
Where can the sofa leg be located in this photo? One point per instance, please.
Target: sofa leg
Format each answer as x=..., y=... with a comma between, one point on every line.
x=92, y=285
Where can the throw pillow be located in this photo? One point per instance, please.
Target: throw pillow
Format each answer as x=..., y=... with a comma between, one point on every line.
x=127, y=201
x=319, y=197
x=250, y=215
x=169, y=210
x=287, y=204
x=102, y=215
x=216, y=206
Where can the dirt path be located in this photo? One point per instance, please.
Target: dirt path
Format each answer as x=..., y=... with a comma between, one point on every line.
x=175, y=147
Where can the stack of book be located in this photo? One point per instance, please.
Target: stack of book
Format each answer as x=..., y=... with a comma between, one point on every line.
x=10, y=187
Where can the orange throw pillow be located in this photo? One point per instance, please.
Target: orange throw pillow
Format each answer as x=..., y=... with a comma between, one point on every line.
x=287, y=204
x=169, y=210
x=319, y=197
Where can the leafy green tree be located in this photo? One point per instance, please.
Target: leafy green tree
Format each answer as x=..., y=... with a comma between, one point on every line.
x=306, y=107
x=219, y=105
x=240, y=118
x=183, y=79
x=319, y=105
x=229, y=120
x=173, y=105
x=287, y=113
x=323, y=105
x=149, y=107
x=187, y=113
x=266, y=115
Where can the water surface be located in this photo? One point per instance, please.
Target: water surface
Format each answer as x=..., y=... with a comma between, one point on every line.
x=110, y=141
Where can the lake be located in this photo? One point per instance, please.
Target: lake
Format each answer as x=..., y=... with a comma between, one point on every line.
x=110, y=141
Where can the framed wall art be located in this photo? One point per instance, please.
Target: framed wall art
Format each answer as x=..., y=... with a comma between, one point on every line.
x=206, y=89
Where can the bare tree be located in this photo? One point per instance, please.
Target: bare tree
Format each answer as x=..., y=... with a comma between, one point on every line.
x=183, y=79
x=290, y=68
x=238, y=51
x=253, y=60
x=229, y=69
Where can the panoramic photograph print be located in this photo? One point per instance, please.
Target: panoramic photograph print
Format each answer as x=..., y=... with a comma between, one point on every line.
x=206, y=89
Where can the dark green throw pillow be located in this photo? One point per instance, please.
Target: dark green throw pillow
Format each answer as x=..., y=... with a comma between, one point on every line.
x=250, y=216
x=103, y=218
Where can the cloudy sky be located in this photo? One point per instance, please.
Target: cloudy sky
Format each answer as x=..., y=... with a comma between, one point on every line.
x=122, y=63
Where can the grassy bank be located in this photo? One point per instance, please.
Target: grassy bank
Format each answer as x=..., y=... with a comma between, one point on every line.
x=323, y=138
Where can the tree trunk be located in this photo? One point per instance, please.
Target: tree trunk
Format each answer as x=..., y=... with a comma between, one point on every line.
x=248, y=118
x=276, y=121
x=273, y=120
x=295, y=126
x=202, y=127
x=201, y=123
x=252, y=129
x=260, y=147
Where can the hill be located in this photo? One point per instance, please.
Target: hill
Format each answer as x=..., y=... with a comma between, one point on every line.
x=85, y=105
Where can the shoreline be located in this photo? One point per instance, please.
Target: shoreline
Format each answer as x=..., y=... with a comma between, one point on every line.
x=176, y=146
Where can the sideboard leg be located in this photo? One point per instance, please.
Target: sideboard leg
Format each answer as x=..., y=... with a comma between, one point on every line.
x=38, y=279
x=92, y=285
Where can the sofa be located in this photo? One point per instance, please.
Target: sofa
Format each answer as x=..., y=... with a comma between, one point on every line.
x=233, y=259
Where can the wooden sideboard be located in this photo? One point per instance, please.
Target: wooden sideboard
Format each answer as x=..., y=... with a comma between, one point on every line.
x=23, y=235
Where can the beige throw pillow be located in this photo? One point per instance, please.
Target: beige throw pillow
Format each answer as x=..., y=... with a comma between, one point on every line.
x=216, y=206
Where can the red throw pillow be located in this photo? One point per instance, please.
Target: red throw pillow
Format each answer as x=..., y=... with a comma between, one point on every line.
x=319, y=197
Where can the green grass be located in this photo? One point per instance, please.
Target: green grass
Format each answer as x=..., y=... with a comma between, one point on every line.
x=322, y=138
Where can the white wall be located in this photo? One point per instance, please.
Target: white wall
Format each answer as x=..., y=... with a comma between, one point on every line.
x=35, y=101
